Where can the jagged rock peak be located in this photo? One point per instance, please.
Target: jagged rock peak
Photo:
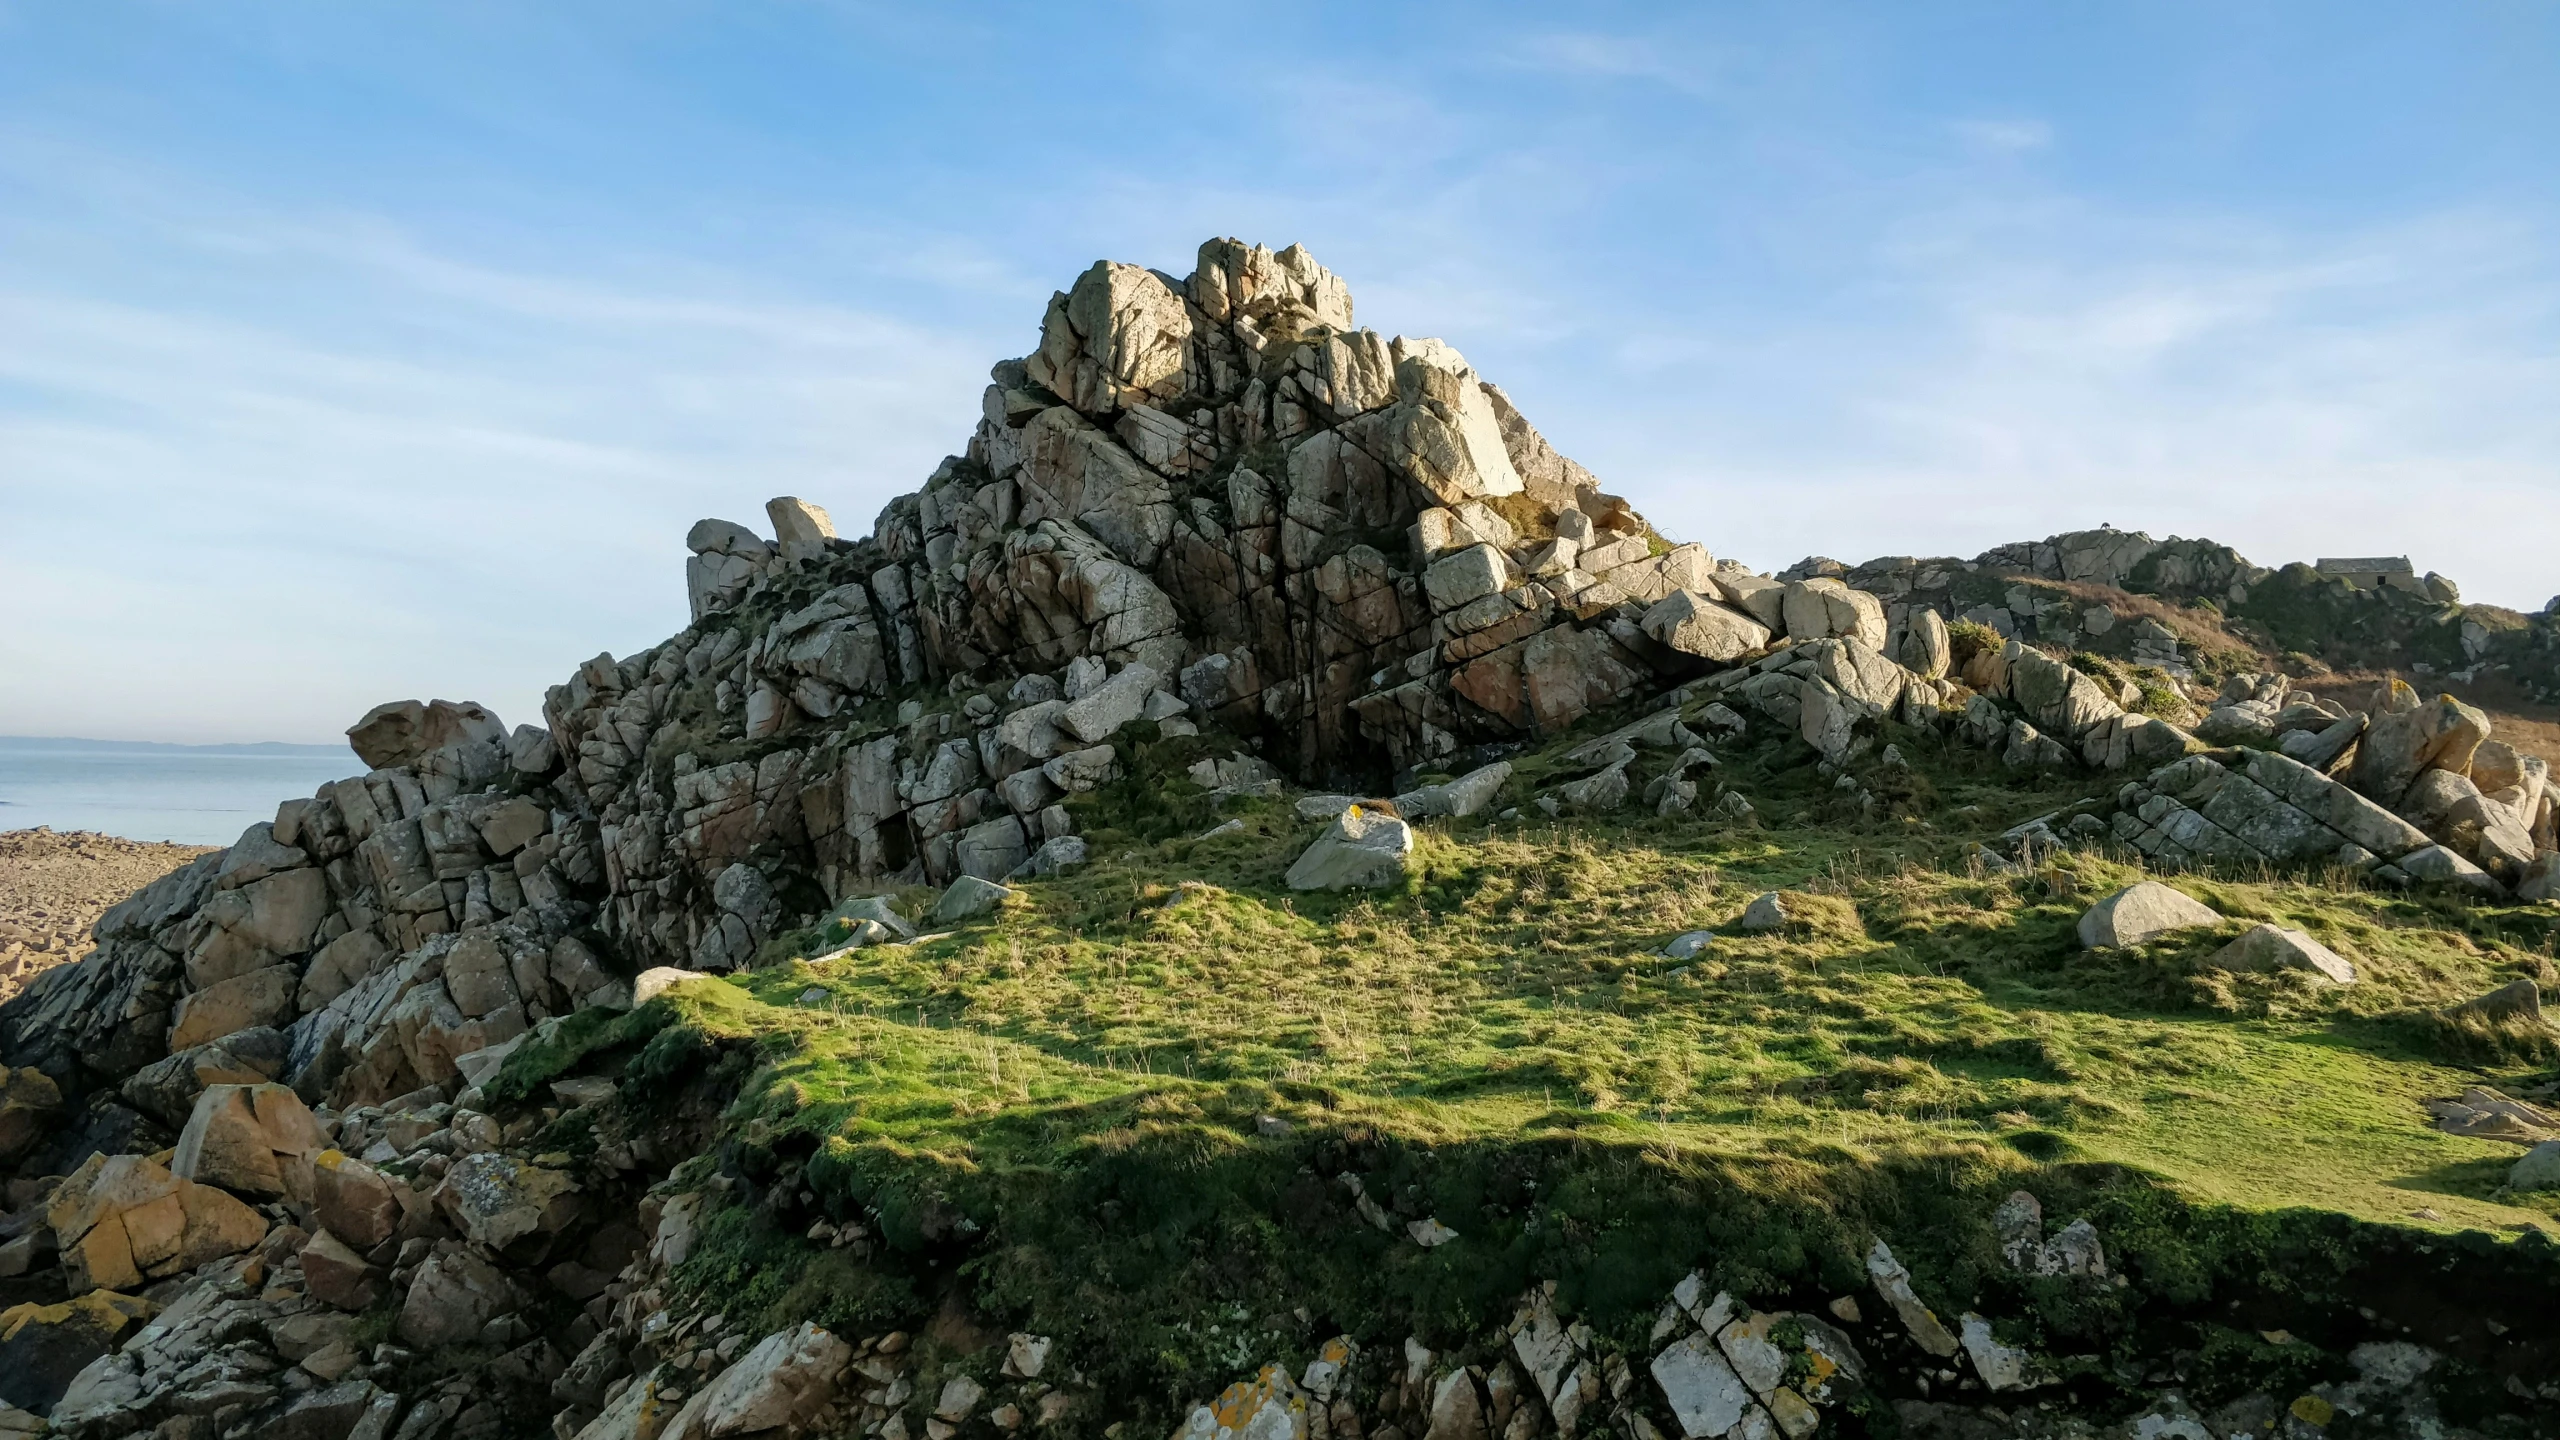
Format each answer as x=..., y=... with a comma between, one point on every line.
x=1351, y=547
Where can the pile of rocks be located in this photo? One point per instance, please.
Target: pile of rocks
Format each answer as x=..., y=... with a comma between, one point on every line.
x=2415, y=793
x=1209, y=512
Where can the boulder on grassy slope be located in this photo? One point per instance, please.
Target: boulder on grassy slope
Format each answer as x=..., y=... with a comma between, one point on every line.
x=2141, y=913
x=1364, y=848
x=2270, y=947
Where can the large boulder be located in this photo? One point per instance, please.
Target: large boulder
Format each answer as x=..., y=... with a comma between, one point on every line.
x=800, y=530
x=1101, y=711
x=1695, y=625
x=1457, y=798
x=968, y=898
x=29, y=1101
x=122, y=1220
x=2141, y=913
x=250, y=1140
x=1364, y=848
x=167, y=1088
x=1821, y=607
x=2270, y=947
x=496, y=1200
x=2538, y=1170
x=352, y=1200
x=2411, y=737
x=400, y=731
x=42, y=1347
x=780, y=1385
x=336, y=1275
x=1927, y=648
x=451, y=1297
x=2441, y=865
x=262, y=997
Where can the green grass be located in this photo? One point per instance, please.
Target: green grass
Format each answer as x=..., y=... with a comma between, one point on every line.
x=1071, y=1086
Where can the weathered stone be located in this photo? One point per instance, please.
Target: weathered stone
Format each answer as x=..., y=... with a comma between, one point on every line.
x=1079, y=771
x=780, y=1385
x=800, y=530
x=337, y=1276
x=452, y=1296
x=1926, y=648
x=261, y=997
x=121, y=1219
x=2538, y=1170
x=400, y=731
x=250, y=1140
x=42, y=1347
x=1101, y=712
x=2058, y=699
x=969, y=897
x=2268, y=947
x=352, y=1200
x=1268, y=1407
x=1467, y=576
x=1765, y=912
x=2402, y=743
x=1758, y=596
x=510, y=826
x=1694, y=625
x=1362, y=849
x=1120, y=336
x=1457, y=799
x=649, y=984
x=1893, y=1282
x=2517, y=1000
x=992, y=849
x=2141, y=913
x=496, y=1200
x=2002, y=1367
x=29, y=1100
x=1595, y=794
x=2437, y=865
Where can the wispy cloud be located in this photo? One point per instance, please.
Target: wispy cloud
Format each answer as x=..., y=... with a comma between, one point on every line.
x=1686, y=68
x=417, y=470
x=2004, y=137
x=2288, y=393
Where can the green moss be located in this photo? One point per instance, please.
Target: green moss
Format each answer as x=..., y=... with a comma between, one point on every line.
x=1060, y=1108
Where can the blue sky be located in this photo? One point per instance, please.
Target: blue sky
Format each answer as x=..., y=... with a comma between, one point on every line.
x=357, y=352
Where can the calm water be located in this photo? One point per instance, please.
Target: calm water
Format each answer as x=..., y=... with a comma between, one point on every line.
x=193, y=794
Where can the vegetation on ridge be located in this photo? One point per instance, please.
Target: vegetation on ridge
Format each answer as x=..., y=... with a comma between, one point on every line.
x=1084, y=1081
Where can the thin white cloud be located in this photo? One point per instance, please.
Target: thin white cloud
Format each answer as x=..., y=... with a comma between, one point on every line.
x=2005, y=137
x=2289, y=394
x=1594, y=55
x=414, y=473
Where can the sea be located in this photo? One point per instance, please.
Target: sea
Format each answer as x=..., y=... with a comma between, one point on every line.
x=192, y=794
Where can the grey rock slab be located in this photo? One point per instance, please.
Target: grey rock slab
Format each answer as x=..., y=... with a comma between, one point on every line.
x=2140, y=914
x=1765, y=912
x=1115, y=702
x=2538, y=1170
x=1363, y=849
x=2270, y=947
x=969, y=897
x=1705, y=1395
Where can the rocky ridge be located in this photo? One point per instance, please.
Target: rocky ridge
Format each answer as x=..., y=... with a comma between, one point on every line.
x=269, y=1115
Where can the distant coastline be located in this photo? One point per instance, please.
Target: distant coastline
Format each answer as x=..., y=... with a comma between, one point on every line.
x=155, y=790
x=254, y=747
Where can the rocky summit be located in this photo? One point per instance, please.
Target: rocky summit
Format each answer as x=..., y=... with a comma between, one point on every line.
x=1261, y=903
